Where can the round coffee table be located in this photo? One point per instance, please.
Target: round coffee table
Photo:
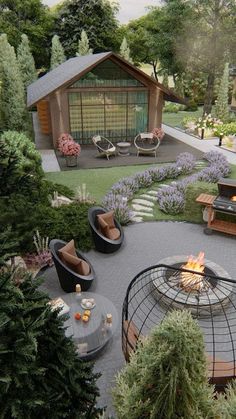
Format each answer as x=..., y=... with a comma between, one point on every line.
x=123, y=148
x=90, y=337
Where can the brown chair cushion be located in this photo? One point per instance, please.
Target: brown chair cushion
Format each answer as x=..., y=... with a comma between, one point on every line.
x=76, y=264
x=108, y=217
x=68, y=248
x=113, y=233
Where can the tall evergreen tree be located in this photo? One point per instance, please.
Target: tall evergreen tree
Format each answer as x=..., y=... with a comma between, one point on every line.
x=12, y=108
x=125, y=50
x=222, y=104
x=41, y=373
x=26, y=62
x=57, y=53
x=83, y=47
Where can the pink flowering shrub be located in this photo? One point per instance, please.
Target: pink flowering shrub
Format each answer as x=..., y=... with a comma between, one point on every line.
x=69, y=148
x=158, y=132
x=63, y=138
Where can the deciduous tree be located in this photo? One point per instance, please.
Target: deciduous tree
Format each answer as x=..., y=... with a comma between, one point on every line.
x=96, y=17
x=32, y=18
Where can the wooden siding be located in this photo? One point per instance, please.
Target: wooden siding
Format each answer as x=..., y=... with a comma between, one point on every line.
x=43, y=109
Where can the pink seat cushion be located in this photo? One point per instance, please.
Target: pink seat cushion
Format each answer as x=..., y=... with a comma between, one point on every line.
x=76, y=264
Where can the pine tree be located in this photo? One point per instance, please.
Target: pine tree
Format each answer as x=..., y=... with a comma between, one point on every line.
x=125, y=50
x=57, y=53
x=84, y=45
x=26, y=62
x=12, y=102
x=222, y=106
x=167, y=375
x=41, y=373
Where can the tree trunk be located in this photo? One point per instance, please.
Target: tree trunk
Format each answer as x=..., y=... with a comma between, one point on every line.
x=154, y=65
x=209, y=93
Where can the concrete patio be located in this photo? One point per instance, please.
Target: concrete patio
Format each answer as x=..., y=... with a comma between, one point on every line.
x=145, y=244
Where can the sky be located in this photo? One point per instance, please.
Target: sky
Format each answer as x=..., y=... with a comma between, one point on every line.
x=129, y=9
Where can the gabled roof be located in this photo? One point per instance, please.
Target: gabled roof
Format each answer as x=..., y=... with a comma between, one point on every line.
x=75, y=67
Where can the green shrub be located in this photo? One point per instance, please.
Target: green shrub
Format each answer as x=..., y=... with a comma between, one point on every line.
x=25, y=217
x=28, y=158
x=41, y=373
x=171, y=108
x=66, y=222
x=167, y=375
x=191, y=106
x=193, y=210
x=226, y=129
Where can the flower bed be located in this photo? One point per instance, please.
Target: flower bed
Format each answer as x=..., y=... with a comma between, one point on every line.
x=171, y=199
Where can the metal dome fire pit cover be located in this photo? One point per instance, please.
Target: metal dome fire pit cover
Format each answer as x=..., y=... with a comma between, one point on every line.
x=208, y=292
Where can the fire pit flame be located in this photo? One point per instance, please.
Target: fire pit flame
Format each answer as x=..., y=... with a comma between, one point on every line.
x=191, y=282
x=233, y=198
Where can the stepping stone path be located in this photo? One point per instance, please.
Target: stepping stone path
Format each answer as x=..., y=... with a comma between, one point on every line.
x=143, y=206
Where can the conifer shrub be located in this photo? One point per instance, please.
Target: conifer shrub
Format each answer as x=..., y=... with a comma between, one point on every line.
x=41, y=373
x=167, y=375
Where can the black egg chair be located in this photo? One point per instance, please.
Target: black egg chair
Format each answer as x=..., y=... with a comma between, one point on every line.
x=67, y=277
x=102, y=243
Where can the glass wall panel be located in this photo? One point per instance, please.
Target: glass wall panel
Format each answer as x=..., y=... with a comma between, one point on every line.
x=115, y=115
x=107, y=74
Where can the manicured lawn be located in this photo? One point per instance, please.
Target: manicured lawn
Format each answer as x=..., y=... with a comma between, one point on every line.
x=175, y=119
x=98, y=181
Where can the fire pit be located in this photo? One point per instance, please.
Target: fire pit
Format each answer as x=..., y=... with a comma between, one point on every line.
x=204, y=288
x=192, y=284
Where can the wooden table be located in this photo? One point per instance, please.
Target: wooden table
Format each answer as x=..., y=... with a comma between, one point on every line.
x=213, y=223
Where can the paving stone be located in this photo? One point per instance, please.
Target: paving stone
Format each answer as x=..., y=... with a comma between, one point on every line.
x=146, y=196
x=143, y=202
x=152, y=193
x=137, y=219
x=138, y=207
x=143, y=214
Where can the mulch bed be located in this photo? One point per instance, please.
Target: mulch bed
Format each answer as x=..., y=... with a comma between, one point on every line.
x=167, y=152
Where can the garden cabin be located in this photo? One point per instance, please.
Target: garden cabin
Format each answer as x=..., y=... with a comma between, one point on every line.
x=98, y=94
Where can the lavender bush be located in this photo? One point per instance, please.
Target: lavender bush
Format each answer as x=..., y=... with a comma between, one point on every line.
x=171, y=199
x=158, y=173
x=144, y=179
x=173, y=203
x=119, y=204
x=186, y=163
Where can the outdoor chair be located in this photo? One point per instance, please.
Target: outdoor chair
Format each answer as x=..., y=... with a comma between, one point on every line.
x=71, y=265
x=146, y=143
x=104, y=146
x=106, y=231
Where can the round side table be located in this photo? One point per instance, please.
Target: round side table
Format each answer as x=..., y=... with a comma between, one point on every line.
x=123, y=148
